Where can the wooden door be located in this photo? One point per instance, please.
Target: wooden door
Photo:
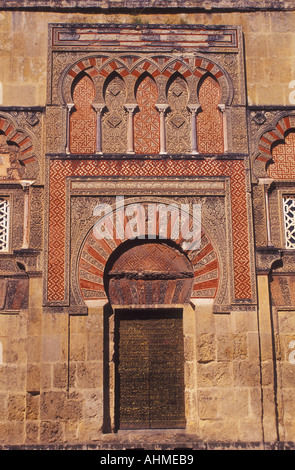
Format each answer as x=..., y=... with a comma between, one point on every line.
x=149, y=369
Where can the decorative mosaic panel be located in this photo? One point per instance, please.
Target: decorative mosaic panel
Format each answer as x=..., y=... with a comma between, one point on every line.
x=284, y=159
x=147, y=120
x=289, y=219
x=60, y=169
x=209, y=120
x=114, y=125
x=178, y=119
x=4, y=225
x=83, y=119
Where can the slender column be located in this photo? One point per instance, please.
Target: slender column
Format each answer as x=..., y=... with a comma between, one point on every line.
x=99, y=109
x=266, y=342
x=162, y=108
x=266, y=183
x=130, y=108
x=193, y=108
x=69, y=109
x=224, y=125
x=26, y=187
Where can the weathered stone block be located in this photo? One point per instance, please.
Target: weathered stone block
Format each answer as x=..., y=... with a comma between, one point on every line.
x=60, y=376
x=214, y=374
x=205, y=347
x=33, y=377
x=78, y=347
x=246, y=374
x=189, y=348
x=12, y=378
x=93, y=406
x=16, y=407
x=32, y=406
x=32, y=432
x=89, y=375
x=287, y=375
x=224, y=431
x=3, y=406
x=238, y=405
x=208, y=404
x=51, y=432
x=51, y=348
x=250, y=430
x=53, y=405
x=46, y=376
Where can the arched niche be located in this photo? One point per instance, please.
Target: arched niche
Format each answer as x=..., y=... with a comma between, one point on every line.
x=147, y=118
x=83, y=119
x=114, y=119
x=178, y=131
x=209, y=120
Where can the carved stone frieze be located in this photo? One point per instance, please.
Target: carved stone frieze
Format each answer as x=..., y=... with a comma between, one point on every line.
x=178, y=118
x=114, y=120
x=266, y=258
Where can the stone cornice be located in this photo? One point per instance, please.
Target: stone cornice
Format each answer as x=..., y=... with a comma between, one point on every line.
x=146, y=5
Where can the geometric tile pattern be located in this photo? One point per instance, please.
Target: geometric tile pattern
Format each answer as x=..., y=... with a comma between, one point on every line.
x=289, y=218
x=209, y=120
x=83, y=119
x=4, y=224
x=147, y=120
x=61, y=169
x=284, y=159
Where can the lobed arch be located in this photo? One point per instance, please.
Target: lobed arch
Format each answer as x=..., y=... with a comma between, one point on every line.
x=164, y=66
x=19, y=138
x=96, y=67
x=20, y=145
x=273, y=136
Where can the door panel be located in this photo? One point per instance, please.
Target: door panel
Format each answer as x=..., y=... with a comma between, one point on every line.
x=150, y=369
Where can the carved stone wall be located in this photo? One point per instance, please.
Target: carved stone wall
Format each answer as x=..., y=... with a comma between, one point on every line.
x=155, y=114
x=114, y=121
x=178, y=123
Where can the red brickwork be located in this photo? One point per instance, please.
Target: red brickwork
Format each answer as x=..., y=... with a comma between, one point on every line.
x=60, y=169
x=22, y=140
x=147, y=121
x=209, y=121
x=96, y=251
x=83, y=119
x=284, y=159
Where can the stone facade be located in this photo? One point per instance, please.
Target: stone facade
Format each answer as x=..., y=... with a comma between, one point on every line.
x=121, y=111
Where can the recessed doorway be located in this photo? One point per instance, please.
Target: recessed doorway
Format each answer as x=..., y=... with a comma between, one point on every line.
x=149, y=369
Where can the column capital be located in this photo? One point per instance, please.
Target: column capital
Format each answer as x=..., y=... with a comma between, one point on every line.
x=130, y=107
x=265, y=181
x=99, y=107
x=162, y=107
x=193, y=108
x=222, y=107
x=26, y=183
